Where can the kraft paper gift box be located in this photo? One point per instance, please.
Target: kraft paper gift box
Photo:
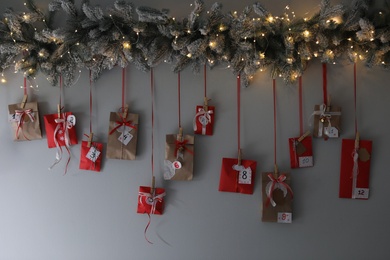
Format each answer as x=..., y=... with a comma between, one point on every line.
x=150, y=202
x=91, y=157
x=179, y=157
x=327, y=121
x=25, y=121
x=204, y=120
x=277, y=198
x=237, y=178
x=60, y=129
x=301, y=151
x=355, y=169
x=122, y=136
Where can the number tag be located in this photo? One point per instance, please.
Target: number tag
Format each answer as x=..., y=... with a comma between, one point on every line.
x=14, y=118
x=245, y=176
x=361, y=193
x=203, y=120
x=331, y=132
x=71, y=119
x=176, y=165
x=284, y=217
x=93, y=154
x=305, y=161
x=125, y=138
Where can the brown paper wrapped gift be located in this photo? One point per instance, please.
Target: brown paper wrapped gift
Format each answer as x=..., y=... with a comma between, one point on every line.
x=25, y=121
x=179, y=158
x=122, y=136
x=327, y=121
x=277, y=198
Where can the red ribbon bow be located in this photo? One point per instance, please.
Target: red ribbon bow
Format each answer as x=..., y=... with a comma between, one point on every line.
x=122, y=123
x=181, y=144
x=21, y=114
x=276, y=182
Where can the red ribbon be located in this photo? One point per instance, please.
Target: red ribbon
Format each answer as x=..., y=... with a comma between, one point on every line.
x=20, y=123
x=181, y=144
x=279, y=180
x=122, y=123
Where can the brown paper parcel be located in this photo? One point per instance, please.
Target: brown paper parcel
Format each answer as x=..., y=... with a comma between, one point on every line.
x=115, y=148
x=185, y=173
x=29, y=130
x=324, y=117
x=283, y=204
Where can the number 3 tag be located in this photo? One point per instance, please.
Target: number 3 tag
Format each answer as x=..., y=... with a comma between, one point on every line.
x=245, y=176
x=93, y=154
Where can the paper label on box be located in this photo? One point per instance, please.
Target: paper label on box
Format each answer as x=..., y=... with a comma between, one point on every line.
x=331, y=132
x=245, y=176
x=203, y=120
x=284, y=217
x=71, y=119
x=14, y=117
x=361, y=193
x=176, y=165
x=305, y=161
x=93, y=154
x=125, y=138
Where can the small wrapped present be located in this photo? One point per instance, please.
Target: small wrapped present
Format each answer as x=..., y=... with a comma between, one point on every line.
x=204, y=120
x=277, y=198
x=179, y=157
x=91, y=155
x=122, y=136
x=327, y=121
x=301, y=151
x=60, y=129
x=237, y=177
x=25, y=121
x=355, y=168
x=150, y=202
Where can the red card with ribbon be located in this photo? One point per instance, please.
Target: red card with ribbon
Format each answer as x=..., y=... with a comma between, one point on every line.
x=204, y=120
x=91, y=157
x=149, y=203
x=237, y=178
x=355, y=169
x=60, y=131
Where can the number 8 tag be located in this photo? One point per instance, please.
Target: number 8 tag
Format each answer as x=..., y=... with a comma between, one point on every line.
x=245, y=176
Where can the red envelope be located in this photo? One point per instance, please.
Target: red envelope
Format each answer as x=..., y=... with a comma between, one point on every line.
x=204, y=120
x=57, y=128
x=358, y=187
x=150, y=203
x=91, y=157
x=301, y=153
x=240, y=179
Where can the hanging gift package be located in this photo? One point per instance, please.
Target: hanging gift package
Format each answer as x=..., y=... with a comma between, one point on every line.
x=25, y=121
x=122, y=136
x=60, y=129
x=301, y=151
x=91, y=156
x=204, y=120
x=277, y=198
x=179, y=157
x=327, y=121
x=235, y=177
x=150, y=202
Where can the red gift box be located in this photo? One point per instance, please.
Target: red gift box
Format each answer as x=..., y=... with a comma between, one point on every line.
x=235, y=178
x=355, y=169
x=301, y=152
x=150, y=203
x=61, y=130
x=204, y=120
x=91, y=157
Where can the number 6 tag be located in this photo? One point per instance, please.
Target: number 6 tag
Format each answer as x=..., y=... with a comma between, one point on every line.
x=245, y=176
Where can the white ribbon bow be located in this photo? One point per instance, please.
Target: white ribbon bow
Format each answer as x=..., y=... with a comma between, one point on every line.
x=151, y=200
x=326, y=115
x=207, y=115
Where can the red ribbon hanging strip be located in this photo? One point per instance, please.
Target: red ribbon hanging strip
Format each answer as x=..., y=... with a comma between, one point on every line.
x=354, y=92
x=238, y=112
x=205, y=81
x=60, y=93
x=300, y=93
x=123, y=87
x=325, y=83
x=274, y=98
x=90, y=102
x=152, y=96
x=25, y=86
x=178, y=97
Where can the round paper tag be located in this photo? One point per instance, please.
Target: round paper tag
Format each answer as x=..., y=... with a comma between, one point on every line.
x=203, y=120
x=149, y=201
x=176, y=165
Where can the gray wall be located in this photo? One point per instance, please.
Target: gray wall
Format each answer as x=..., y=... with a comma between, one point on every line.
x=87, y=215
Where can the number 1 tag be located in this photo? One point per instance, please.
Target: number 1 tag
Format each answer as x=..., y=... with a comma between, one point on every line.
x=285, y=217
x=245, y=176
x=331, y=132
x=203, y=120
x=361, y=193
x=93, y=154
x=125, y=138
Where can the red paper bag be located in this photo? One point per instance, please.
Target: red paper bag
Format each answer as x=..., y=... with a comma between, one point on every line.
x=204, y=120
x=301, y=152
x=235, y=178
x=91, y=157
x=150, y=203
x=277, y=198
x=60, y=131
x=355, y=169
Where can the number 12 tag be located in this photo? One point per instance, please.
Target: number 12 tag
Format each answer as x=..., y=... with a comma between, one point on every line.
x=361, y=193
x=245, y=176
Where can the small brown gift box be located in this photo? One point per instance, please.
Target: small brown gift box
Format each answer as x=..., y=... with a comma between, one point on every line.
x=25, y=121
x=277, y=198
x=122, y=136
x=327, y=121
x=179, y=158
